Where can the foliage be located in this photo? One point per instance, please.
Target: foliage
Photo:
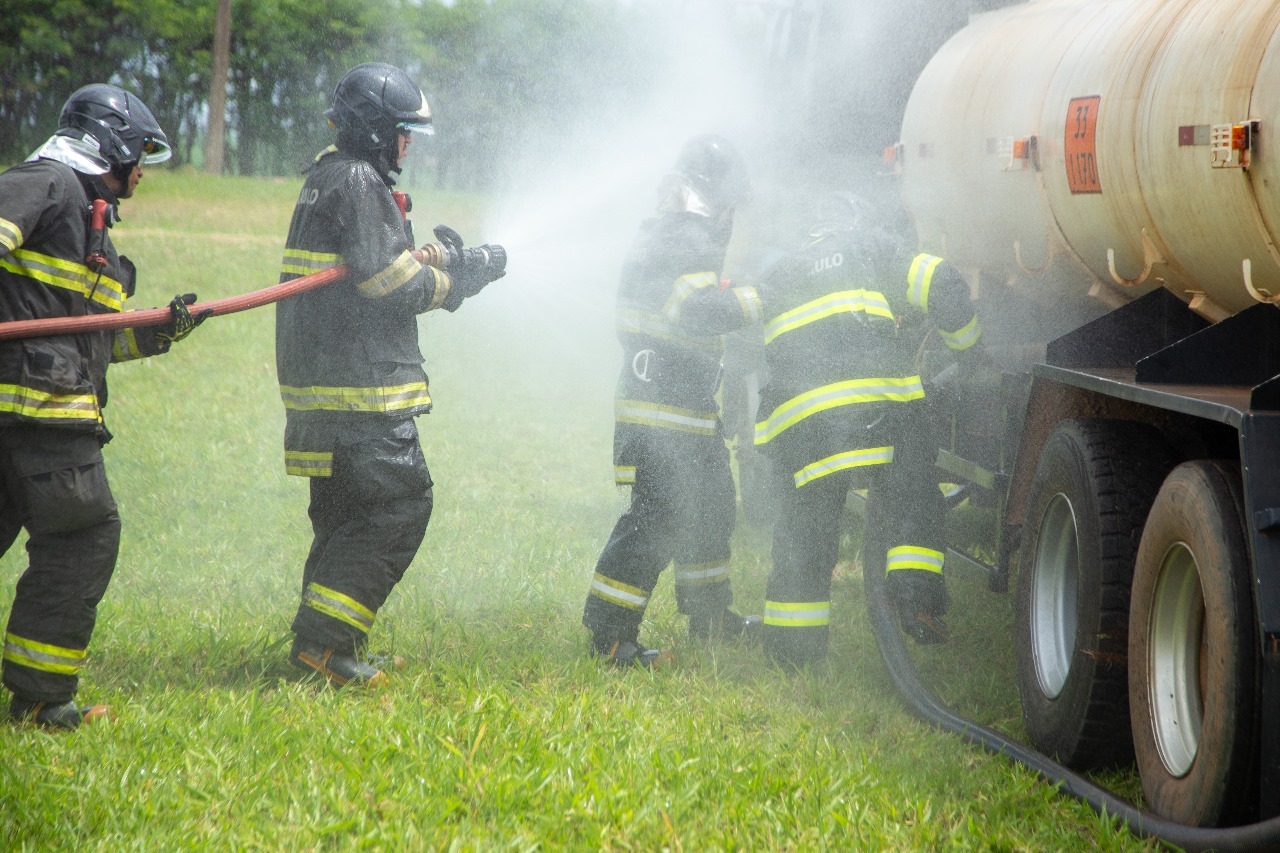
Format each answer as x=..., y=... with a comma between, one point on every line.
x=287, y=57
x=496, y=72
x=507, y=79
x=500, y=732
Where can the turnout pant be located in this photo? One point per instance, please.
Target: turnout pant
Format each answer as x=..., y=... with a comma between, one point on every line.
x=54, y=484
x=904, y=538
x=683, y=509
x=368, y=518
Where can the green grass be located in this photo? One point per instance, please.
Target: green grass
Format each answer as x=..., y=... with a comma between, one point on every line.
x=500, y=733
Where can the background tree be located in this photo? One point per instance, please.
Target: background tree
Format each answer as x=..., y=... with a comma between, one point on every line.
x=217, y=134
x=507, y=79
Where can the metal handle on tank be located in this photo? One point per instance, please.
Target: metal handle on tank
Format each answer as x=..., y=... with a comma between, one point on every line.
x=1150, y=257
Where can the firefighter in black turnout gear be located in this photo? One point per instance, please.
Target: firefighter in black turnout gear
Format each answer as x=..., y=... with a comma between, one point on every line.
x=845, y=408
x=668, y=444
x=350, y=369
x=57, y=260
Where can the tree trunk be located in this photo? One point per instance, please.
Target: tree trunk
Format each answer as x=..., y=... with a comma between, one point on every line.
x=218, y=89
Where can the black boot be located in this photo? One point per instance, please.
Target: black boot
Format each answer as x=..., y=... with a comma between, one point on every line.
x=56, y=715
x=724, y=624
x=628, y=653
x=926, y=629
x=336, y=667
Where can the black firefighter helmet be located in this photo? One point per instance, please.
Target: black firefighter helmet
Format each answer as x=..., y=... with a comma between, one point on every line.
x=710, y=177
x=371, y=103
x=877, y=229
x=842, y=211
x=118, y=124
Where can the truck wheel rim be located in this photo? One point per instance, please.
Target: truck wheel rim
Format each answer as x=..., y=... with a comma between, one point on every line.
x=1055, y=582
x=1174, y=664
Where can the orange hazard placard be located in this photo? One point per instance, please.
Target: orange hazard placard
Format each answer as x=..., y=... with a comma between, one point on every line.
x=1080, y=145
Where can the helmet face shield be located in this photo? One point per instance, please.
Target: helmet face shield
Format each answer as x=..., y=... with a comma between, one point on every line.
x=155, y=151
x=423, y=127
x=715, y=170
x=117, y=123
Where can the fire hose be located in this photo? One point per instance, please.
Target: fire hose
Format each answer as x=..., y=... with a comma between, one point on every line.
x=432, y=254
x=1264, y=835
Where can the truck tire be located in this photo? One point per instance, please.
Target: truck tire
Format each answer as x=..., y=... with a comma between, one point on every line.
x=1094, y=483
x=1194, y=669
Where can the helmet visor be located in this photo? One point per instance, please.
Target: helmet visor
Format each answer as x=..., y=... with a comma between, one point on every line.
x=416, y=127
x=155, y=151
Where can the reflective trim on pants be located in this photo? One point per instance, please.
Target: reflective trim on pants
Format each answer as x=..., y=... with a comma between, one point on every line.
x=621, y=594
x=42, y=656
x=344, y=608
x=797, y=614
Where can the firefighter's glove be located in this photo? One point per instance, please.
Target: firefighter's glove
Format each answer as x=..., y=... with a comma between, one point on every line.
x=182, y=323
x=921, y=600
x=469, y=269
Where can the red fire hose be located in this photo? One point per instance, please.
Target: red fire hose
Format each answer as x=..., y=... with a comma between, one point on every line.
x=429, y=254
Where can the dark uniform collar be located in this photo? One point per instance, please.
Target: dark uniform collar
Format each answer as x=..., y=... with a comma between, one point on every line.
x=379, y=159
x=96, y=188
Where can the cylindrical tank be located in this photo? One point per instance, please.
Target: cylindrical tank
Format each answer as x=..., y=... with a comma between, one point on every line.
x=1104, y=147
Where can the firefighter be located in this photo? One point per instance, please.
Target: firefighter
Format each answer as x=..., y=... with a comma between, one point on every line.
x=845, y=408
x=668, y=443
x=350, y=369
x=57, y=260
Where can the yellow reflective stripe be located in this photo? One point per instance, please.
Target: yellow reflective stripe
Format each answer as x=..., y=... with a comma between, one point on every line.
x=849, y=392
x=302, y=262
x=632, y=321
x=624, y=475
x=344, y=608
x=443, y=285
x=919, y=277
x=42, y=656
x=305, y=463
x=845, y=301
x=843, y=461
x=665, y=417
x=31, y=403
x=913, y=557
x=10, y=236
x=749, y=301
x=124, y=346
x=68, y=275
x=616, y=592
x=702, y=574
x=684, y=287
x=964, y=337
x=395, y=276
x=797, y=614
x=319, y=398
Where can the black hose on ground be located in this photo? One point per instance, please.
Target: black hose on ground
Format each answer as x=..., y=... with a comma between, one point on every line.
x=1257, y=836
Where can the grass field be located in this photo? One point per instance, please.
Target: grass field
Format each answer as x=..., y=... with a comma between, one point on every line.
x=500, y=733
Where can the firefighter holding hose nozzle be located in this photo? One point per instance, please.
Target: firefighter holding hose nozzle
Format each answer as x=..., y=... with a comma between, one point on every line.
x=57, y=260
x=844, y=409
x=350, y=368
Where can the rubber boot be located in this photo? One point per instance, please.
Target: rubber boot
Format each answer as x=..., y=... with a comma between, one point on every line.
x=64, y=716
x=625, y=654
x=724, y=624
x=338, y=668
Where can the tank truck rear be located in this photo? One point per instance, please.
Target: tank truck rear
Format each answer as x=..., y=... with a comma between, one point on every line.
x=1101, y=172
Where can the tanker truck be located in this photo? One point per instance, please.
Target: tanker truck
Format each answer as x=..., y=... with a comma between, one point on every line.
x=1100, y=170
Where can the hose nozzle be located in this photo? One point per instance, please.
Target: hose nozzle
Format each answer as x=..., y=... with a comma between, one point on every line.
x=489, y=260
